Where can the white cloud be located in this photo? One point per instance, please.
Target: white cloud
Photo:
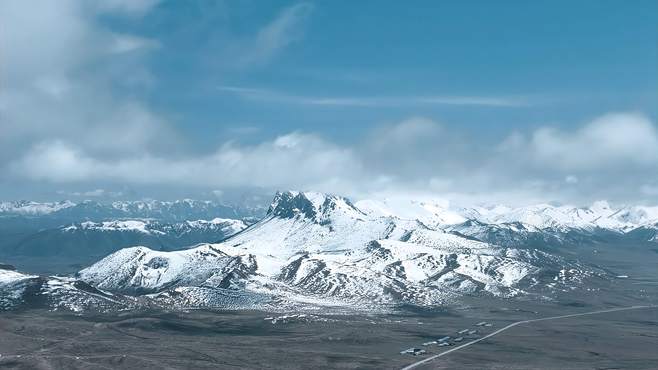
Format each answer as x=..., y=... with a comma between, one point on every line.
x=416, y=154
x=47, y=94
x=55, y=161
x=410, y=131
x=515, y=141
x=91, y=193
x=476, y=100
x=128, y=43
x=650, y=190
x=620, y=139
x=411, y=139
x=65, y=76
x=273, y=96
x=42, y=40
x=571, y=179
x=295, y=158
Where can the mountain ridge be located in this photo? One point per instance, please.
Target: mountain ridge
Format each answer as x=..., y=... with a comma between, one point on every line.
x=323, y=248
x=325, y=251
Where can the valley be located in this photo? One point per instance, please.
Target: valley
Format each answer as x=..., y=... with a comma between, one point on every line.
x=228, y=339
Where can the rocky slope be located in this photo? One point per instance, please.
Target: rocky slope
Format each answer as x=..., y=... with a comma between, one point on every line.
x=19, y=290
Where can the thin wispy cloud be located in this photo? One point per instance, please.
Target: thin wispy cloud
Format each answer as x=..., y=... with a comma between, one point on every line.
x=283, y=30
x=274, y=96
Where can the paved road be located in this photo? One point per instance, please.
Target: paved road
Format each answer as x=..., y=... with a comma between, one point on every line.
x=431, y=358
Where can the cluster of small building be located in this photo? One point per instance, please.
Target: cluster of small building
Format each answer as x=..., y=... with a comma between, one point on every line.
x=446, y=341
x=413, y=351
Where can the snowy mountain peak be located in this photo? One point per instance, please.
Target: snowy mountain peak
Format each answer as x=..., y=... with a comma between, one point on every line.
x=311, y=205
x=29, y=208
x=289, y=204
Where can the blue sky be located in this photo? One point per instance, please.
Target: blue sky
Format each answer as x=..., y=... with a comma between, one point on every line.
x=563, y=62
x=155, y=93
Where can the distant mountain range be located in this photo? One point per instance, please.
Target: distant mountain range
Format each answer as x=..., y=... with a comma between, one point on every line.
x=536, y=226
x=79, y=233
x=101, y=238
x=318, y=249
x=167, y=211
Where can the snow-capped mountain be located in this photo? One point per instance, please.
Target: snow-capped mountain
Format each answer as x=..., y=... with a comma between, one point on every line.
x=80, y=240
x=324, y=250
x=223, y=226
x=30, y=229
x=533, y=226
x=544, y=216
x=166, y=211
x=550, y=226
x=320, y=248
x=182, y=210
x=28, y=208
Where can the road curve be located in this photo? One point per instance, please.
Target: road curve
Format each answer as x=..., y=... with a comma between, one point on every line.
x=431, y=358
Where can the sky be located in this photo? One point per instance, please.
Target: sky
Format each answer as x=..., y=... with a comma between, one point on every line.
x=473, y=101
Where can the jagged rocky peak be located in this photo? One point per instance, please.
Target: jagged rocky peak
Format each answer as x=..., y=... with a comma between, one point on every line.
x=312, y=205
x=289, y=204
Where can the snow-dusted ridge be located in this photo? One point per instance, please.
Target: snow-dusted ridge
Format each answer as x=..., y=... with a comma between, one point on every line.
x=167, y=211
x=544, y=216
x=145, y=226
x=29, y=208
